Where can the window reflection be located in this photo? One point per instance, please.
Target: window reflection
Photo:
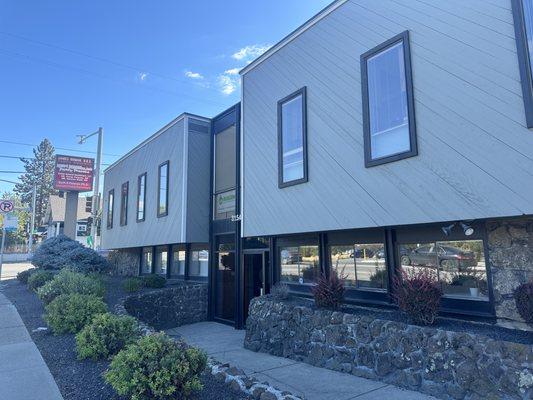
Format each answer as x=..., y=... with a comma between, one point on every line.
x=199, y=263
x=299, y=264
x=161, y=260
x=360, y=265
x=460, y=265
x=177, y=267
x=146, y=261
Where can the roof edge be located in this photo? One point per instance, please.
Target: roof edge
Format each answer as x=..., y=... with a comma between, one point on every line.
x=293, y=35
x=179, y=118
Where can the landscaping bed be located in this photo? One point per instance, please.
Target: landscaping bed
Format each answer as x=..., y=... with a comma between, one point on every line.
x=82, y=380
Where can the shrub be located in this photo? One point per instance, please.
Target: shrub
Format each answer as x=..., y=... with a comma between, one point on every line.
x=69, y=313
x=23, y=276
x=418, y=294
x=132, y=285
x=154, y=281
x=280, y=291
x=156, y=367
x=105, y=336
x=84, y=259
x=52, y=253
x=39, y=278
x=70, y=282
x=523, y=296
x=62, y=252
x=329, y=291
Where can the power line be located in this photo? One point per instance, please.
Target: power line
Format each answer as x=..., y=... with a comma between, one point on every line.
x=12, y=172
x=58, y=148
x=17, y=157
x=97, y=58
x=101, y=76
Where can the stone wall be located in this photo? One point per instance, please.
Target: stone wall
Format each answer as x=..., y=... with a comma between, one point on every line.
x=170, y=307
x=124, y=262
x=445, y=364
x=510, y=244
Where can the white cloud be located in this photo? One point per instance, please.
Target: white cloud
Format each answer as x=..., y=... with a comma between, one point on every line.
x=227, y=84
x=233, y=71
x=143, y=76
x=250, y=52
x=194, y=75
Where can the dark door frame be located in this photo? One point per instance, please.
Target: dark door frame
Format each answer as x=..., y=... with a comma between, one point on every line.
x=266, y=267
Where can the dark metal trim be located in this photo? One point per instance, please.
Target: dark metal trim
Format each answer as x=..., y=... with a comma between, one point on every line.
x=164, y=214
x=144, y=175
x=300, y=92
x=523, y=59
x=124, y=199
x=110, y=208
x=404, y=39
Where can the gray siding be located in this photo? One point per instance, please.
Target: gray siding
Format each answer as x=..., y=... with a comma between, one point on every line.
x=198, y=177
x=475, y=153
x=167, y=145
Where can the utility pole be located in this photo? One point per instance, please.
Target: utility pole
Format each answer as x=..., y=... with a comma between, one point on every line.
x=96, y=189
x=32, y=226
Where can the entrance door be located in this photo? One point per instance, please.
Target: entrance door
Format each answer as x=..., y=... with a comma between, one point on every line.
x=256, y=277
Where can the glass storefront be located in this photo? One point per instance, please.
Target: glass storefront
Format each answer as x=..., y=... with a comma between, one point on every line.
x=177, y=267
x=161, y=260
x=199, y=262
x=147, y=260
x=458, y=265
x=299, y=264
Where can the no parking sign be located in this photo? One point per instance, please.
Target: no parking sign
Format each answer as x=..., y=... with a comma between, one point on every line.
x=7, y=206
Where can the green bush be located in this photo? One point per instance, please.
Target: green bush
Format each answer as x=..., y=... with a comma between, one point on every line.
x=156, y=367
x=23, y=276
x=39, y=278
x=69, y=282
x=62, y=252
x=131, y=285
x=105, y=336
x=154, y=281
x=69, y=313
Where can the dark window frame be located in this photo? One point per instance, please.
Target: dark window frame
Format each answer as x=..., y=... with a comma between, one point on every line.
x=162, y=214
x=404, y=39
x=110, y=208
x=522, y=50
x=144, y=175
x=300, y=92
x=124, y=199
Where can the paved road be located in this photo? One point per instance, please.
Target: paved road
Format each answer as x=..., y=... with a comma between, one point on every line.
x=23, y=373
x=225, y=344
x=10, y=270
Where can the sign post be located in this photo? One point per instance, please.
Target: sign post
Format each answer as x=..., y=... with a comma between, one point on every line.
x=6, y=207
x=73, y=175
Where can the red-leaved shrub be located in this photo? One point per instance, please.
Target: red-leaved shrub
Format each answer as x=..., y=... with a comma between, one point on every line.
x=328, y=291
x=418, y=294
x=523, y=296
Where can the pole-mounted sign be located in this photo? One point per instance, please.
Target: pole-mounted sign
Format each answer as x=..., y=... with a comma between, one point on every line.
x=74, y=174
x=7, y=206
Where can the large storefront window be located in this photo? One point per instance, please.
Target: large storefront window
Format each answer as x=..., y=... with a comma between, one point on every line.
x=161, y=260
x=147, y=261
x=459, y=265
x=199, y=262
x=177, y=267
x=299, y=264
x=360, y=265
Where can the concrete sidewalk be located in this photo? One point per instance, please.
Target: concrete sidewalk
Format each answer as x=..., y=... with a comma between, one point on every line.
x=225, y=344
x=23, y=373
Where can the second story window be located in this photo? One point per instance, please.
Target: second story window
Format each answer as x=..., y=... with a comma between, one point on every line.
x=292, y=139
x=388, y=105
x=110, y=206
x=523, y=25
x=124, y=203
x=141, y=196
x=162, y=190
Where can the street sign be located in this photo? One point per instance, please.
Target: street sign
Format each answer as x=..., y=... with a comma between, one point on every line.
x=74, y=173
x=11, y=222
x=7, y=206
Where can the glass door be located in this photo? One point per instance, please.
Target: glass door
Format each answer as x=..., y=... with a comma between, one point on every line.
x=225, y=279
x=256, y=276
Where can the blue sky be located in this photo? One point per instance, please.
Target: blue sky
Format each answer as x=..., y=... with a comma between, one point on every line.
x=67, y=67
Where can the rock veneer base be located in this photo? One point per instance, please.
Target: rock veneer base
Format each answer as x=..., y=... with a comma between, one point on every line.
x=445, y=364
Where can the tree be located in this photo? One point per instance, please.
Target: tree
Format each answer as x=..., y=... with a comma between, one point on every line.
x=39, y=171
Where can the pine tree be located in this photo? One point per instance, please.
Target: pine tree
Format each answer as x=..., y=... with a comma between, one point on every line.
x=39, y=171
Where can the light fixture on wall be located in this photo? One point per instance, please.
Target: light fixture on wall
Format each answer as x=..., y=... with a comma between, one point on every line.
x=467, y=229
x=448, y=229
